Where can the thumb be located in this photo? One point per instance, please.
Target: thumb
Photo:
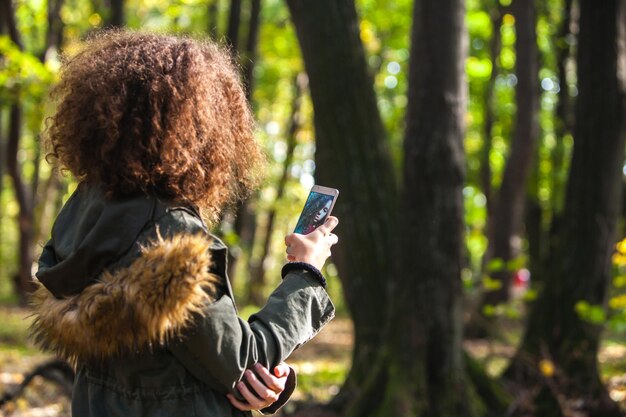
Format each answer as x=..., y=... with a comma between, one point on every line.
x=281, y=370
x=330, y=223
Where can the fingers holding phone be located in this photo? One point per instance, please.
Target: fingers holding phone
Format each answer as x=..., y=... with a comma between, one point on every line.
x=313, y=248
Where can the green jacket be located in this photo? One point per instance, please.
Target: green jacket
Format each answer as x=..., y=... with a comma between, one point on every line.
x=135, y=293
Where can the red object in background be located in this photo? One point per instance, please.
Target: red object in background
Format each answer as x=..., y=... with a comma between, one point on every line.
x=521, y=278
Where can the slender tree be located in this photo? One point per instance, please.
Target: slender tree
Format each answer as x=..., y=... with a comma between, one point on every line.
x=496, y=14
x=2, y=152
x=580, y=268
x=351, y=155
x=234, y=21
x=116, y=14
x=26, y=193
x=54, y=31
x=564, y=113
x=257, y=274
x=425, y=365
x=22, y=278
x=252, y=41
x=212, y=13
x=538, y=238
x=418, y=368
x=509, y=208
x=477, y=325
x=245, y=220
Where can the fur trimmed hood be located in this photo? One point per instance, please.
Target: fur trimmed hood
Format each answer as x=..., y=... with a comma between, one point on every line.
x=137, y=307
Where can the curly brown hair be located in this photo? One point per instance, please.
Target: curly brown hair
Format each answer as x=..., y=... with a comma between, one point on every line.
x=155, y=114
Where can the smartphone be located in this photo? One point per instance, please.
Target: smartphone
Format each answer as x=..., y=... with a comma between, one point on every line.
x=317, y=208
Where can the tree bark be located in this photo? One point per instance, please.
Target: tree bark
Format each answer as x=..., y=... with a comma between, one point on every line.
x=495, y=46
x=212, y=13
x=477, y=325
x=563, y=114
x=245, y=224
x=536, y=235
x=353, y=156
x=23, y=278
x=26, y=194
x=425, y=367
x=116, y=16
x=2, y=159
x=257, y=275
x=51, y=192
x=54, y=32
x=581, y=265
x=234, y=19
x=509, y=208
x=251, y=47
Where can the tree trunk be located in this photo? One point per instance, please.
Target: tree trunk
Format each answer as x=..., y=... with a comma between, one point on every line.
x=212, y=14
x=477, y=325
x=23, y=281
x=245, y=223
x=47, y=207
x=425, y=367
x=495, y=45
x=234, y=19
x=116, y=16
x=54, y=33
x=2, y=160
x=509, y=208
x=25, y=194
x=251, y=47
x=563, y=114
x=581, y=265
x=257, y=275
x=623, y=219
x=351, y=155
x=536, y=235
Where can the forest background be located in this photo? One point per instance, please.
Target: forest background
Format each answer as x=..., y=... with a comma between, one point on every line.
x=479, y=149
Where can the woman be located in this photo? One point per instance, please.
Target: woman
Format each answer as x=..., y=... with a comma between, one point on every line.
x=133, y=286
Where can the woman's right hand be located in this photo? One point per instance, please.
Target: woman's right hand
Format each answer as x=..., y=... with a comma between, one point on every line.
x=267, y=387
x=313, y=248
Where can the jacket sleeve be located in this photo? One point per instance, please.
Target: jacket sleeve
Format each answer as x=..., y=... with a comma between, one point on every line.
x=221, y=345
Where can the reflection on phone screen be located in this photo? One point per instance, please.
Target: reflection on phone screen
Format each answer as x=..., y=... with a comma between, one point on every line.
x=315, y=212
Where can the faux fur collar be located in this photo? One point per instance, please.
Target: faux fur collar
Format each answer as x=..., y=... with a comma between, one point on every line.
x=135, y=308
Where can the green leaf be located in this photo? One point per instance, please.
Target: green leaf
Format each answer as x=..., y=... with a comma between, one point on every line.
x=619, y=281
x=594, y=314
x=478, y=68
x=491, y=284
x=516, y=263
x=489, y=310
x=530, y=295
x=495, y=264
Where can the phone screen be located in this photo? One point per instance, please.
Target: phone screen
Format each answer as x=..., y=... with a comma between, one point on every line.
x=316, y=209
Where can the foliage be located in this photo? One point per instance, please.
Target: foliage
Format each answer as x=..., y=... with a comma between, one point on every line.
x=384, y=32
x=614, y=313
x=25, y=77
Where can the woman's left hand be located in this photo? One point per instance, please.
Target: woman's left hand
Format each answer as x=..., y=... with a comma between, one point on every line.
x=267, y=387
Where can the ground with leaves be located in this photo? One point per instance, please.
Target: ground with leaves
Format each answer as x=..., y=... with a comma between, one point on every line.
x=321, y=366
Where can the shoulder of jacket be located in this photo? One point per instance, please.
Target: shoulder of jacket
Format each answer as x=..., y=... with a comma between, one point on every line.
x=145, y=304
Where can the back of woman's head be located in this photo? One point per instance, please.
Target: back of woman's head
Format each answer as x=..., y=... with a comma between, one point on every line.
x=155, y=114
